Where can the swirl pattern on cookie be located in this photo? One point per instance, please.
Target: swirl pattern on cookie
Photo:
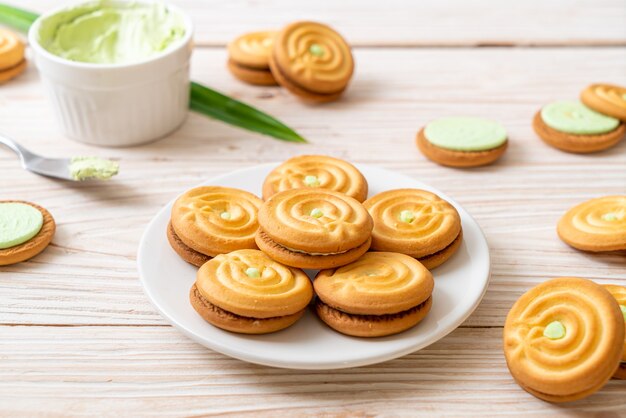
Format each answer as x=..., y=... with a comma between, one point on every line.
x=315, y=56
x=11, y=49
x=596, y=225
x=606, y=98
x=411, y=221
x=252, y=49
x=316, y=171
x=250, y=284
x=214, y=219
x=378, y=283
x=303, y=219
x=560, y=338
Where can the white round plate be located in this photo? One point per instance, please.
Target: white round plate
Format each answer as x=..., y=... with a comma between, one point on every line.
x=309, y=344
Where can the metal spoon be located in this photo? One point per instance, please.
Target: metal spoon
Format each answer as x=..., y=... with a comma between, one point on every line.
x=50, y=167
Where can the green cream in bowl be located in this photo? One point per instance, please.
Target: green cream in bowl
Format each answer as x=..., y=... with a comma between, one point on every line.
x=116, y=72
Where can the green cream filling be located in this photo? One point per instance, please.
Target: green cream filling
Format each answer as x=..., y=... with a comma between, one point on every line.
x=19, y=223
x=554, y=330
x=465, y=134
x=86, y=168
x=577, y=119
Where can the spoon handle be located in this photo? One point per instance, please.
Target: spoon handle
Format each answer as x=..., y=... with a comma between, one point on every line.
x=17, y=148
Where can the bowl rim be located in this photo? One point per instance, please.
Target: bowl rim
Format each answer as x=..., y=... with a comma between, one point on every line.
x=171, y=50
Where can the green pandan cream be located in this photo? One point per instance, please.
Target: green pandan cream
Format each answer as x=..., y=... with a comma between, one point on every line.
x=87, y=168
x=111, y=32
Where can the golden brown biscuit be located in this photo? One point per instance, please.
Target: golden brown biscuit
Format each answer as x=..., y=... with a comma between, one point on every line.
x=313, y=228
x=245, y=291
x=606, y=98
x=316, y=171
x=34, y=245
x=563, y=339
x=379, y=294
x=595, y=225
x=249, y=57
x=12, y=72
x=186, y=253
x=11, y=50
x=415, y=222
x=312, y=61
x=619, y=293
x=579, y=144
x=216, y=220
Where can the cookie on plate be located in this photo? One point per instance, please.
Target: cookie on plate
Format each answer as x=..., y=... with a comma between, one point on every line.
x=248, y=58
x=245, y=291
x=312, y=61
x=607, y=99
x=595, y=225
x=462, y=141
x=12, y=61
x=416, y=223
x=211, y=220
x=573, y=127
x=619, y=293
x=563, y=339
x=313, y=229
x=379, y=294
x=316, y=171
x=26, y=229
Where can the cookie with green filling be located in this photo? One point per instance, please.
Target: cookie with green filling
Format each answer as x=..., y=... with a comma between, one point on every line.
x=573, y=127
x=26, y=229
x=462, y=141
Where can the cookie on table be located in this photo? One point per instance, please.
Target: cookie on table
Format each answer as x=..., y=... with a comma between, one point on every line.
x=316, y=171
x=607, y=99
x=595, y=225
x=462, y=141
x=12, y=61
x=211, y=220
x=416, y=223
x=563, y=339
x=619, y=293
x=313, y=229
x=379, y=294
x=245, y=291
x=573, y=127
x=248, y=58
x=26, y=229
x=312, y=61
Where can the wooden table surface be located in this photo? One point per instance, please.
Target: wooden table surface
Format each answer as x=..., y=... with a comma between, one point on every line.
x=77, y=334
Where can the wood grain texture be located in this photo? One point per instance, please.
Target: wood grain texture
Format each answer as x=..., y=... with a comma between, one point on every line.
x=423, y=23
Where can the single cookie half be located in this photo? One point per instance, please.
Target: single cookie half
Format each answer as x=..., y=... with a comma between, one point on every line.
x=313, y=228
x=12, y=72
x=249, y=58
x=246, y=291
x=573, y=127
x=379, y=294
x=416, y=223
x=11, y=50
x=214, y=220
x=26, y=229
x=619, y=293
x=595, y=225
x=462, y=141
x=607, y=99
x=563, y=339
x=312, y=61
x=316, y=171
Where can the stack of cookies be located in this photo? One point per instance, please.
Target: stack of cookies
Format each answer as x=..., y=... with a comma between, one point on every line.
x=373, y=255
x=12, y=61
x=309, y=59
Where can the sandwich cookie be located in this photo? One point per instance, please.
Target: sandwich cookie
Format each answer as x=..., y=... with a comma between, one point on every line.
x=462, y=141
x=595, y=225
x=247, y=292
x=416, y=223
x=248, y=58
x=313, y=229
x=312, y=61
x=563, y=339
x=12, y=62
x=573, y=127
x=26, y=229
x=379, y=294
x=316, y=171
x=606, y=99
x=211, y=220
x=619, y=293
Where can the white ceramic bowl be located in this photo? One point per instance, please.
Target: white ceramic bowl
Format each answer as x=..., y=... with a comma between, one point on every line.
x=117, y=105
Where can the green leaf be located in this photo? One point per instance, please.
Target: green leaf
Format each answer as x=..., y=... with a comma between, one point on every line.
x=203, y=100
